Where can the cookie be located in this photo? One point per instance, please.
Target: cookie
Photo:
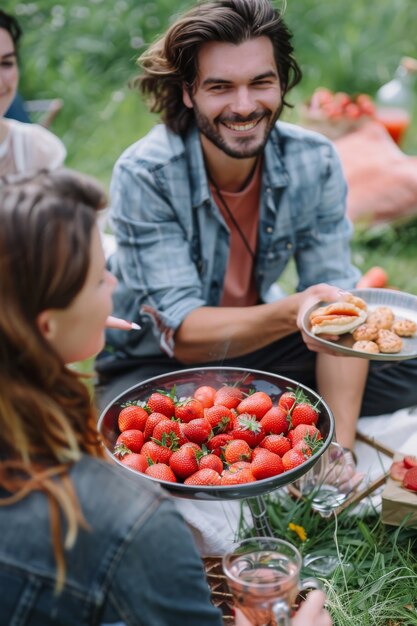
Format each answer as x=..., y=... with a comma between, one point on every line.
x=366, y=346
x=404, y=328
x=365, y=332
x=388, y=342
x=382, y=317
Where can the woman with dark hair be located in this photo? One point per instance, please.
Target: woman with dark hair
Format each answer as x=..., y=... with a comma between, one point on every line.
x=23, y=147
x=80, y=542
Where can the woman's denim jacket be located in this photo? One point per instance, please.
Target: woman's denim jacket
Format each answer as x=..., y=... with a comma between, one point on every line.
x=173, y=243
x=135, y=565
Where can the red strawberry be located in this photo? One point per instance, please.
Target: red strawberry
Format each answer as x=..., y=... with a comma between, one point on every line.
x=304, y=448
x=152, y=421
x=184, y=462
x=266, y=464
x=249, y=429
x=160, y=402
x=217, y=443
x=204, y=476
x=161, y=471
x=219, y=417
x=410, y=461
x=132, y=417
x=256, y=404
x=237, y=450
x=291, y=397
x=410, y=479
x=287, y=400
x=303, y=431
x=193, y=445
x=172, y=431
x=275, y=421
x=156, y=452
x=304, y=413
x=292, y=459
x=205, y=394
x=212, y=461
x=228, y=396
x=135, y=461
x=189, y=409
x=277, y=444
x=197, y=430
x=237, y=477
x=130, y=439
x=239, y=465
x=398, y=471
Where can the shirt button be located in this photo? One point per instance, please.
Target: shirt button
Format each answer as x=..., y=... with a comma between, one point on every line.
x=268, y=190
x=269, y=229
x=289, y=245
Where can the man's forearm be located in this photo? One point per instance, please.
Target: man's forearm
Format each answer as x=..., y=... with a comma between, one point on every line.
x=215, y=333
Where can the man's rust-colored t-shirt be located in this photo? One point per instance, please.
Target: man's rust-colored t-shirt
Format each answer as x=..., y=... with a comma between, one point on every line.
x=239, y=283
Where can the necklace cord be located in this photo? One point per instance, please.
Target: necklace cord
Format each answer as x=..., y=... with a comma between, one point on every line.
x=233, y=219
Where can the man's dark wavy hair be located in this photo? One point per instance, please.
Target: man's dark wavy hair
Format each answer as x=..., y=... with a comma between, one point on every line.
x=11, y=24
x=172, y=61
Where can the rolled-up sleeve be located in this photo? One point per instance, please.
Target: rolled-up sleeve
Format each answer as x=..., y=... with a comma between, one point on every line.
x=325, y=256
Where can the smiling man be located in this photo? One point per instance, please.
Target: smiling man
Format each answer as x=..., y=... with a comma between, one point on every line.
x=212, y=204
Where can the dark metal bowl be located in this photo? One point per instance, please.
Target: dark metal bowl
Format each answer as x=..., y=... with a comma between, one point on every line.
x=186, y=382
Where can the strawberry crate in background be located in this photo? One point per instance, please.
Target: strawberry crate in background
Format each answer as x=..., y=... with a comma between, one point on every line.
x=334, y=114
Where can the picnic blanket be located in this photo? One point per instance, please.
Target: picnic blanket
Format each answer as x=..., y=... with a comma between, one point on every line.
x=381, y=178
x=214, y=524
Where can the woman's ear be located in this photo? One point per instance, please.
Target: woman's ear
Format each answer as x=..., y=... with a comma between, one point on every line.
x=46, y=324
x=186, y=98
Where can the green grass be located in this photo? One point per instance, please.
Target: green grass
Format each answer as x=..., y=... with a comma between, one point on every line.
x=375, y=580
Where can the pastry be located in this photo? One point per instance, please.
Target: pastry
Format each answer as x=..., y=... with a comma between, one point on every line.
x=382, y=317
x=404, y=328
x=336, y=318
x=365, y=332
x=366, y=346
x=388, y=342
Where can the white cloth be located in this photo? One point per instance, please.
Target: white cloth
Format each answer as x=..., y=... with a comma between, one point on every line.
x=34, y=147
x=397, y=431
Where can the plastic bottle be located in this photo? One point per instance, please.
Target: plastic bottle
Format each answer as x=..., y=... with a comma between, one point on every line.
x=395, y=99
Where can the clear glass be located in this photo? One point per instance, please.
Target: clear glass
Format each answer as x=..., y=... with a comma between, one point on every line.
x=263, y=574
x=328, y=483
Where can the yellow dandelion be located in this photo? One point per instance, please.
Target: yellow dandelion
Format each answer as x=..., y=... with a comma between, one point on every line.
x=298, y=530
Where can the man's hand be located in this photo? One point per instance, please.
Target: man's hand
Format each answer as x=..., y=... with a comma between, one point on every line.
x=311, y=296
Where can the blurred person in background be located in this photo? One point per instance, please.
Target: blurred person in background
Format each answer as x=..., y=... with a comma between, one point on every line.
x=81, y=542
x=23, y=147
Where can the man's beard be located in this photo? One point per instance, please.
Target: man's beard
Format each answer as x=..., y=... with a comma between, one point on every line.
x=246, y=150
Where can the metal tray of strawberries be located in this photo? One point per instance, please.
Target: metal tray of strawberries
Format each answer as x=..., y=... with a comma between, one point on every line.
x=185, y=383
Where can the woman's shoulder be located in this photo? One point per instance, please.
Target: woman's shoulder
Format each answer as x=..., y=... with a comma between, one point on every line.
x=105, y=489
x=45, y=148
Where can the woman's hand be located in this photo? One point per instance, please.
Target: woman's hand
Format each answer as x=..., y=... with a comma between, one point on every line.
x=310, y=613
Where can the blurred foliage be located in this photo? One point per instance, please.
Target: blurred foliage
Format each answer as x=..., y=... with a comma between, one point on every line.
x=84, y=51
